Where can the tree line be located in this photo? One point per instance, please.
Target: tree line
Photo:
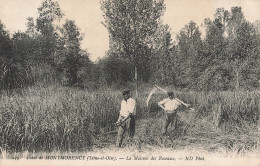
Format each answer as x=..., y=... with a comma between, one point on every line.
x=141, y=50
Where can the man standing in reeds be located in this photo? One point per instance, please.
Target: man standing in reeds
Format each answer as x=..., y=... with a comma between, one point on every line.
x=126, y=119
x=169, y=105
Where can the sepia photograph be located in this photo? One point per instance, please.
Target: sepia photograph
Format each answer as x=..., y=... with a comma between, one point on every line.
x=123, y=82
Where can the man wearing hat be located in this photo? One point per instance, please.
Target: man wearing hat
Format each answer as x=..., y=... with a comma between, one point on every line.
x=126, y=119
x=169, y=105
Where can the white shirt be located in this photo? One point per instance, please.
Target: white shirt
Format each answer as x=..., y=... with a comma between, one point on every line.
x=127, y=107
x=170, y=105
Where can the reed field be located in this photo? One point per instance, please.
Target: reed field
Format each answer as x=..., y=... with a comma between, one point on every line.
x=61, y=119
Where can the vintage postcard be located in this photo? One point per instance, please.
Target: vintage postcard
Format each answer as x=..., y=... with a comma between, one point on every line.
x=129, y=82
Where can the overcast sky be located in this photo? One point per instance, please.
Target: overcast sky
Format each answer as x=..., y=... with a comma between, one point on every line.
x=88, y=16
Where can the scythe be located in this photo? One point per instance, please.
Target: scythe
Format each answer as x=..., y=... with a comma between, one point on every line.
x=157, y=87
x=150, y=95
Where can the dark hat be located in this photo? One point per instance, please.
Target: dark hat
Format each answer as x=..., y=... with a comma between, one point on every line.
x=170, y=93
x=126, y=91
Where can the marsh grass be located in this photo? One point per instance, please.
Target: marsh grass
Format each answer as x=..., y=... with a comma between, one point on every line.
x=61, y=119
x=53, y=118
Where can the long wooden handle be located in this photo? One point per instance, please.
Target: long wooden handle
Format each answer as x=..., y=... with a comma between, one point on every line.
x=161, y=88
x=181, y=102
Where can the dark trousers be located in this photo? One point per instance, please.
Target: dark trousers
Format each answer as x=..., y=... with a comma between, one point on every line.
x=132, y=126
x=170, y=118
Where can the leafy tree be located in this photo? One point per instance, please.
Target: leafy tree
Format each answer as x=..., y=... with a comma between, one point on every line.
x=230, y=51
x=223, y=17
x=242, y=50
x=214, y=74
x=161, y=60
x=130, y=23
x=13, y=74
x=69, y=58
x=22, y=46
x=116, y=70
x=189, y=52
x=85, y=74
x=5, y=54
x=49, y=13
x=5, y=41
x=31, y=28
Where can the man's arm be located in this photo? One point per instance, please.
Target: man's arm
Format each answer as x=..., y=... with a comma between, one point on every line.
x=121, y=119
x=185, y=104
x=161, y=103
x=131, y=106
x=120, y=115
